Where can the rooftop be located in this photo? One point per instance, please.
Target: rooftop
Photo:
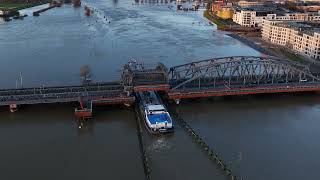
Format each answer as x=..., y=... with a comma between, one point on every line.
x=262, y=10
x=295, y=24
x=301, y=27
x=310, y=32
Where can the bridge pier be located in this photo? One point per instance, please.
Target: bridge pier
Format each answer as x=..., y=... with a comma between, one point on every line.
x=13, y=108
x=85, y=110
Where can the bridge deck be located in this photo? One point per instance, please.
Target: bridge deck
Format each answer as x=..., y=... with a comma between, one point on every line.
x=218, y=92
x=103, y=93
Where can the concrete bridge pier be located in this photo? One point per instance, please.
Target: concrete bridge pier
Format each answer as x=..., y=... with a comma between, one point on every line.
x=84, y=112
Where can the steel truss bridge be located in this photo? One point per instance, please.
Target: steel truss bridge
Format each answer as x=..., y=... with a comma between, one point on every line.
x=240, y=75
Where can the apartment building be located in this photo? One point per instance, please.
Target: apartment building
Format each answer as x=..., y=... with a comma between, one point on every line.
x=299, y=36
x=245, y=18
x=254, y=18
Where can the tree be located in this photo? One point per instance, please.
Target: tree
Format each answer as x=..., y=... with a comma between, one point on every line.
x=85, y=72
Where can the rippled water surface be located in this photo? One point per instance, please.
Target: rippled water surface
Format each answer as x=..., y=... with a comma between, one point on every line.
x=50, y=49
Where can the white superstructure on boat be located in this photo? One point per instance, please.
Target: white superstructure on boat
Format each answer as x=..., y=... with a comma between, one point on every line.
x=155, y=114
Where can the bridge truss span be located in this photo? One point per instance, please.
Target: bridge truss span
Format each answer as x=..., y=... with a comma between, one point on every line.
x=239, y=72
x=112, y=92
x=239, y=75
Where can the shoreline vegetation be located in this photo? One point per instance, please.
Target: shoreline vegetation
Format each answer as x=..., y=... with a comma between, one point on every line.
x=221, y=24
x=227, y=24
x=11, y=9
x=20, y=6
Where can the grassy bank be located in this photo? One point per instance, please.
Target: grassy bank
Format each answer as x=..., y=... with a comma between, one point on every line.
x=221, y=23
x=292, y=56
x=19, y=6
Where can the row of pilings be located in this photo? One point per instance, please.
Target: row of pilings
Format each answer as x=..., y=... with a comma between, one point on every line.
x=213, y=155
x=144, y=155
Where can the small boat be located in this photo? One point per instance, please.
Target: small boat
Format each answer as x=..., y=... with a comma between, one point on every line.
x=155, y=115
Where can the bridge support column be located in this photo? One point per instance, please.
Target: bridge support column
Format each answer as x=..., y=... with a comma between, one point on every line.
x=85, y=110
x=13, y=108
x=177, y=101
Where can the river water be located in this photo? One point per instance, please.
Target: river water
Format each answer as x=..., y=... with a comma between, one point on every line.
x=260, y=137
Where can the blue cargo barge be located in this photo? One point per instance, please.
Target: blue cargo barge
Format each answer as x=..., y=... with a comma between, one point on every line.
x=155, y=115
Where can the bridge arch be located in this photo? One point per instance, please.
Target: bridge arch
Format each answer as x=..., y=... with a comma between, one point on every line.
x=239, y=71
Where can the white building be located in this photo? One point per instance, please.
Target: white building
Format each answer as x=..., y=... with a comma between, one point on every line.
x=245, y=18
x=300, y=37
x=248, y=18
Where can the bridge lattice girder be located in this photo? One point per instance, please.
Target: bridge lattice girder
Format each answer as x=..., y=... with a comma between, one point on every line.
x=244, y=70
x=135, y=74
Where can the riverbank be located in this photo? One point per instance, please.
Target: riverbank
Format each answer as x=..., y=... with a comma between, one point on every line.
x=19, y=6
x=221, y=24
x=227, y=24
x=251, y=44
x=255, y=41
x=11, y=9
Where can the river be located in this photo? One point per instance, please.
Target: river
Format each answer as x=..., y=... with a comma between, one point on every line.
x=260, y=137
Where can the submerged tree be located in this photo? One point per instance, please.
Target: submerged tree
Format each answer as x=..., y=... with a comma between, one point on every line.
x=85, y=73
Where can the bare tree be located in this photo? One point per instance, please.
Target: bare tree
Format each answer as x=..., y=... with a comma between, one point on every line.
x=85, y=73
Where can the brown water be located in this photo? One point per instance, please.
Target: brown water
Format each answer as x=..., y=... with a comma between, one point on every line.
x=43, y=142
x=261, y=138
